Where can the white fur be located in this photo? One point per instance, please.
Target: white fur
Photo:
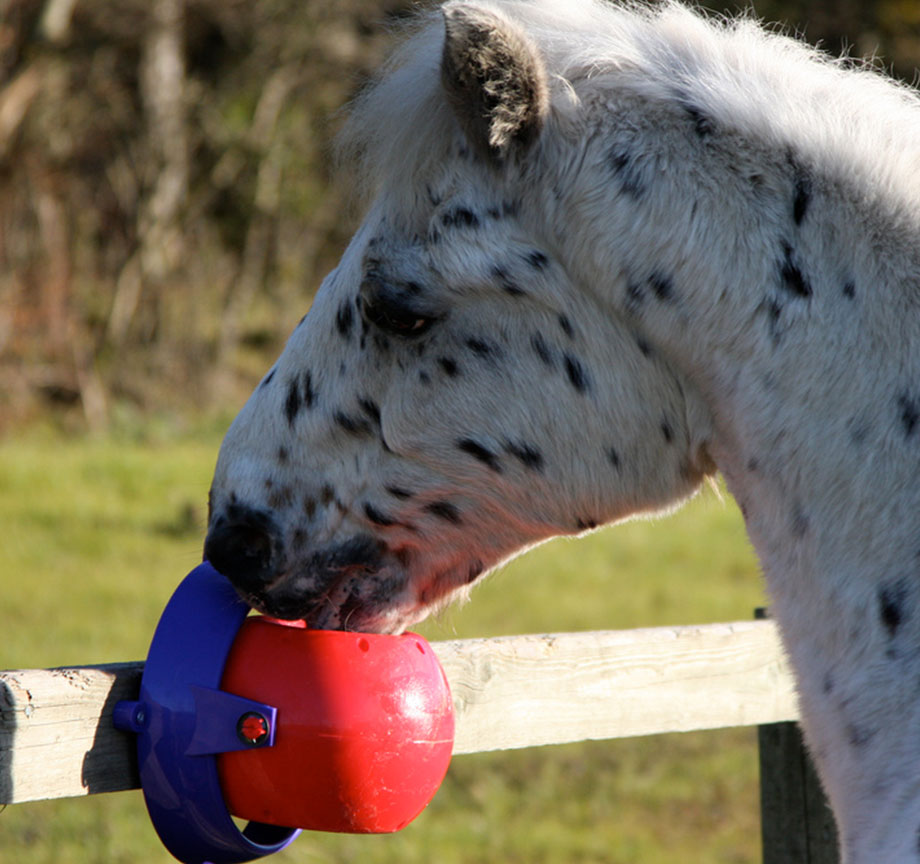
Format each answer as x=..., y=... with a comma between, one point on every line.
x=731, y=227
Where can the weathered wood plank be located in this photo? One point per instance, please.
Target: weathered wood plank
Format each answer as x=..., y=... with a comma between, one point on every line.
x=522, y=691
x=56, y=733
x=57, y=739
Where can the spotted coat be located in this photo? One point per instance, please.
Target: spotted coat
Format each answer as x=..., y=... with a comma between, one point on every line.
x=607, y=251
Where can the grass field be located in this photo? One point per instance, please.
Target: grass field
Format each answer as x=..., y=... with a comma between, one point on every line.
x=98, y=533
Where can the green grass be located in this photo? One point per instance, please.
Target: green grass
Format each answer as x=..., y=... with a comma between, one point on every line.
x=97, y=534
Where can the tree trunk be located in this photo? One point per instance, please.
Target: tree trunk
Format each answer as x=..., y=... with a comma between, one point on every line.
x=162, y=84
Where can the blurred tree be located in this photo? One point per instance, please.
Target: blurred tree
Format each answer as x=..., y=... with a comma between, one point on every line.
x=165, y=207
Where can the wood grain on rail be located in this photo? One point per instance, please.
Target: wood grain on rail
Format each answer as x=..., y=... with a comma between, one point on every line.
x=57, y=738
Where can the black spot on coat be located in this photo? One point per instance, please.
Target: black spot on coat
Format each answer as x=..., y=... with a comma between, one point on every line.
x=449, y=366
x=398, y=492
x=292, y=402
x=774, y=310
x=635, y=295
x=480, y=452
x=508, y=285
x=892, y=606
x=627, y=174
x=460, y=217
x=662, y=287
x=908, y=413
x=526, y=454
x=702, y=125
x=643, y=346
x=801, y=197
x=444, y=510
x=537, y=259
x=793, y=279
x=343, y=319
x=352, y=425
x=542, y=350
x=371, y=409
x=378, y=518
x=279, y=497
x=268, y=378
x=479, y=347
x=576, y=373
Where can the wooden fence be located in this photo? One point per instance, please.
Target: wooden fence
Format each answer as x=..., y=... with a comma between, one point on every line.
x=57, y=738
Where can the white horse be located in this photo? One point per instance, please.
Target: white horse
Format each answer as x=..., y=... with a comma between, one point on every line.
x=608, y=251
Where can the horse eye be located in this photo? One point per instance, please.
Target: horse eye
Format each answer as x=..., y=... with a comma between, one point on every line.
x=396, y=317
x=397, y=320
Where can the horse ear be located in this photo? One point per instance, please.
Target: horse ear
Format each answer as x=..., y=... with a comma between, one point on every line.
x=494, y=80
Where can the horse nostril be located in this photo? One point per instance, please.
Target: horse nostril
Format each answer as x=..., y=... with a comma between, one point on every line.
x=240, y=547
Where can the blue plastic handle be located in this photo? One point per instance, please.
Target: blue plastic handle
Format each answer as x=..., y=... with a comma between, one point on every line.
x=182, y=719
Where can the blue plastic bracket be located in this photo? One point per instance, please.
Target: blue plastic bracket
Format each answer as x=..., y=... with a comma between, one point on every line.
x=182, y=718
x=217, y=716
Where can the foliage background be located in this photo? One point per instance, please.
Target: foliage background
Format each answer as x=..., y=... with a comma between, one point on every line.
x=166, y=207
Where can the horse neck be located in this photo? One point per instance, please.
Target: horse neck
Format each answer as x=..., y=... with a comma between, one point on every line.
x=783, y=292
x=787, y=297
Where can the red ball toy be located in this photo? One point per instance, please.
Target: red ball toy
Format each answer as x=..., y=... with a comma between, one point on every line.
x=364, y=732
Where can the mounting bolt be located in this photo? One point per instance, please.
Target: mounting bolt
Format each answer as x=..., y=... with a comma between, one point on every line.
x=253, y=728
x=129, y=716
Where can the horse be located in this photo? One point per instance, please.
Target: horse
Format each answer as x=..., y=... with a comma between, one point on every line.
x=609, y=251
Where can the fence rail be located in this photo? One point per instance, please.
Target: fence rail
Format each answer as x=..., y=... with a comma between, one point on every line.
x=57, y=738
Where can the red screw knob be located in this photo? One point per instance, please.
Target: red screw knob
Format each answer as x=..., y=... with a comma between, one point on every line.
x=252, y=728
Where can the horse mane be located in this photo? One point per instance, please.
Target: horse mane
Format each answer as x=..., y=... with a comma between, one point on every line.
x=754, y=81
